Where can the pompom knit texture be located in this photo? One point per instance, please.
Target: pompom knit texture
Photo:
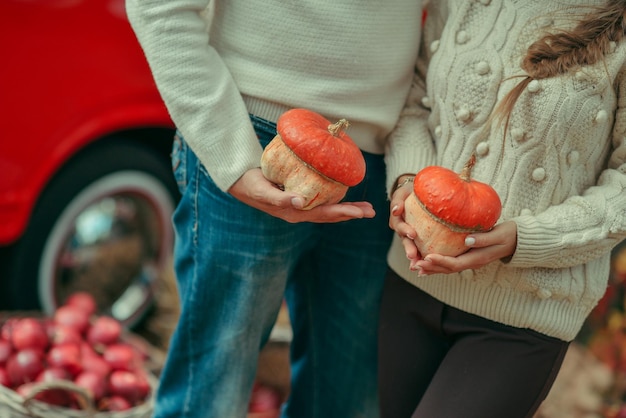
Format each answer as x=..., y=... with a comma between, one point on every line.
x=349, y=59
x=560, y=170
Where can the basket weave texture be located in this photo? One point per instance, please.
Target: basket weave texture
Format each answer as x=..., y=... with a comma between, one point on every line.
x=13, y=405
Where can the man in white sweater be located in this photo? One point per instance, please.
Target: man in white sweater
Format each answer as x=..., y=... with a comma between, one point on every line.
x=226, y=72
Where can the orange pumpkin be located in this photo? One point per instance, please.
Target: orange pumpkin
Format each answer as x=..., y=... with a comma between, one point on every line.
x=445, y=207
x=313, y=157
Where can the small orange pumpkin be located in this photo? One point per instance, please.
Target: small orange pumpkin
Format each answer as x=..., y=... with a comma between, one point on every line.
x=445, y=207
x=313, y=157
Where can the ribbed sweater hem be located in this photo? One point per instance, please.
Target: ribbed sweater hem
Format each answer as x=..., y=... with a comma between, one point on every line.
x=364, y=136
x=558, y=318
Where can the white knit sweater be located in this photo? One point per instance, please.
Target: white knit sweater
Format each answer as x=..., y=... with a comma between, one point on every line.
x=214, y=62
x=560, y=171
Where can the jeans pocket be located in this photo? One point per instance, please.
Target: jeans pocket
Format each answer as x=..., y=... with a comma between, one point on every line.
x=264, y=129
x=179, y=161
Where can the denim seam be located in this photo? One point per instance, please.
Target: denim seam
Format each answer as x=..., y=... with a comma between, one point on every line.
x=314, y=359
x=190, y=317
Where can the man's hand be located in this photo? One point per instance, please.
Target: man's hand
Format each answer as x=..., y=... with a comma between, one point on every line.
x=255, y=190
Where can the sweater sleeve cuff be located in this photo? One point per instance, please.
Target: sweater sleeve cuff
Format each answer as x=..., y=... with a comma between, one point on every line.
x=405, y=160
x=536, y=244
x=226, y=161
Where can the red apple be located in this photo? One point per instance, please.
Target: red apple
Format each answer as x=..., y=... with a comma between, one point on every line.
x=63, y=334
x=132, y=386
x=29, y=333
x=82, y=300
x=93, y=362
x=53, y=373
x=104, y=330
x=94, y=383
x=7, y=328
x=264, y=399
x=24, y=366
x=5, y=351
x=67, y=357
x=121, y=357
x=73, y=317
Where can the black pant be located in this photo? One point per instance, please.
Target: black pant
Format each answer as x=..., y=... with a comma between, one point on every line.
x=436, y=361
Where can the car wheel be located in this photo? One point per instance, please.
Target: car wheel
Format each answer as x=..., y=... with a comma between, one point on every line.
x=102, y=225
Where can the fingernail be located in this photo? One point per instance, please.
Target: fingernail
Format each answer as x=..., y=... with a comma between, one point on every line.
x=427, y=259
x=297, y=202
x=409, y=236
x=394, y=209
x=469, y=241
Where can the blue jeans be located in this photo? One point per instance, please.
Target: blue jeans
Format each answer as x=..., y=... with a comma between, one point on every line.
x=234, y=264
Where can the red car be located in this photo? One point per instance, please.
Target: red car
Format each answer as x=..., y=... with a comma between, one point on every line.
x=86, y=191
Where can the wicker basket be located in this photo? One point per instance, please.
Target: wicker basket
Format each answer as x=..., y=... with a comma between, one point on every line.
x=12, y=405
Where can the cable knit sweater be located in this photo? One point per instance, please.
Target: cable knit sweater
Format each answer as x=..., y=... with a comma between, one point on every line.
x=215, y=62
x=560, y=170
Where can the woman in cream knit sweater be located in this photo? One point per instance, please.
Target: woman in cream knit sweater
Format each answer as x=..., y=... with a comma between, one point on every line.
x=483, y=334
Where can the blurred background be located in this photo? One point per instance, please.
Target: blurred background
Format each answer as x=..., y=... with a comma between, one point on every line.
x=86, y=196
x=87, y=191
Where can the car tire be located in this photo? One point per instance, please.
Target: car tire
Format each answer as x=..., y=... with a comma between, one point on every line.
x=101, y=225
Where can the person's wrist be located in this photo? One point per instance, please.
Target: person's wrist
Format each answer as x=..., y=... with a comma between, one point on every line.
x=401, y=181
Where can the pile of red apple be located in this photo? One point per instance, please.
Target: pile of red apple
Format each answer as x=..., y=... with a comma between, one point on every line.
x=75, y=345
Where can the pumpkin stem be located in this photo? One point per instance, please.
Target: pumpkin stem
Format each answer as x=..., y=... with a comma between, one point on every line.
x=466, y=173
x=336, y=128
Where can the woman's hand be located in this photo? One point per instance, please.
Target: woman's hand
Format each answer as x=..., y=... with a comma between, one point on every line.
x=485, y=248
x=396, y=219
x=255, y=190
